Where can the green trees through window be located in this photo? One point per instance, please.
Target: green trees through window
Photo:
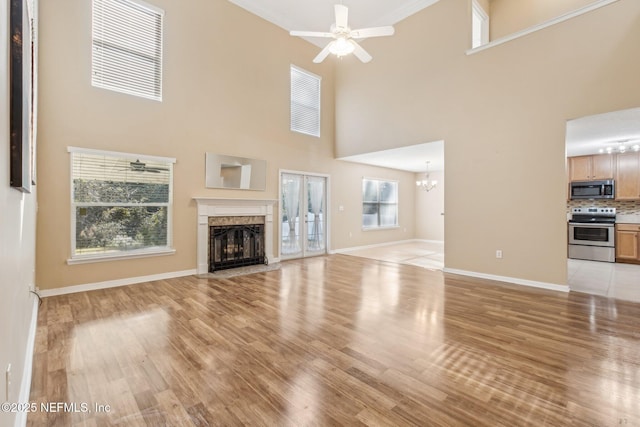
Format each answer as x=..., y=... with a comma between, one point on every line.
x=120, y=203
x=108, y=228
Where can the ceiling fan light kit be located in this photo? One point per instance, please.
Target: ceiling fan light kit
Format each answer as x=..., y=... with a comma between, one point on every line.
x=343, y=42
x=341, y=47
x=139, y=166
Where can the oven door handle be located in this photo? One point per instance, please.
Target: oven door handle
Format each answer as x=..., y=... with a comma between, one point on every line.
x=590, y=224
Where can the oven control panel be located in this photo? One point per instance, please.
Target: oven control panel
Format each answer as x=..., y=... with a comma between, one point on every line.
x=597, y=211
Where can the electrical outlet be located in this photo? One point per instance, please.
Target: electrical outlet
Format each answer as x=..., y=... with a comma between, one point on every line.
x=350, y=234
x=7, y=383
x=499, y=254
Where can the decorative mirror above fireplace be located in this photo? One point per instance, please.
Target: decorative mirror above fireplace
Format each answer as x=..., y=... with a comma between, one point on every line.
x=232, y=172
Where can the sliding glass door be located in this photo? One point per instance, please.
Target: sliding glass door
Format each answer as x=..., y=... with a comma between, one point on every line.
x=303, y=219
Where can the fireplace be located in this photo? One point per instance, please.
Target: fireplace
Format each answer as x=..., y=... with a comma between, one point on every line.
x=245, y=217
x=236, y=241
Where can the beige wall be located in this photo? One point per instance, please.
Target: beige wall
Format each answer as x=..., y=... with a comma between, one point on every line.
x=17, y=251
x=485, y=5
x=501, y=113
x=225, y=90
x=429, y=209
x=509, y=16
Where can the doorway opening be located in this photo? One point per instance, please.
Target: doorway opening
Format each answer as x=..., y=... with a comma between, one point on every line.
x=604, y=147
x=426, y=246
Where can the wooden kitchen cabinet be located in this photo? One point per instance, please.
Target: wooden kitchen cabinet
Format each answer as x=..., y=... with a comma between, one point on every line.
x=589, y=168
x=628, y=243
x=628, y=176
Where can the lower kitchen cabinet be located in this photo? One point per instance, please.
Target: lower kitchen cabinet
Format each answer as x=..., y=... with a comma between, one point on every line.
x=628, y=243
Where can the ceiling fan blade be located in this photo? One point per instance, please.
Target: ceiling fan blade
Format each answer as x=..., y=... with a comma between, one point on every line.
x=360, y=53
x=323, y=53
x=310, y=34
x=372, y=32
x=342, y=14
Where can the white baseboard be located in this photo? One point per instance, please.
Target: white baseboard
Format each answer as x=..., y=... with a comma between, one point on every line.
x=25, y=385
x=514, y=280
x=377, y=245
x=114, y=283
x=441, y=242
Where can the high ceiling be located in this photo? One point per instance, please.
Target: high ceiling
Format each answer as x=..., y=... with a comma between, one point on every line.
x=318, y=15
x=584, y=136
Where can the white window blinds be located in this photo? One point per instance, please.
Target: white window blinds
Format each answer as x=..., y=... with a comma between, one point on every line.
x=121, y=203
x=305, y=102
x=127, y=47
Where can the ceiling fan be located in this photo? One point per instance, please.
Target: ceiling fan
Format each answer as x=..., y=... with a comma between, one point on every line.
x=344, y=38
x=139, y=166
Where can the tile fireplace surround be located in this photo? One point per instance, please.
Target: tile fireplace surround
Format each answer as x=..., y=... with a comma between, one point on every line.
x=214, y=207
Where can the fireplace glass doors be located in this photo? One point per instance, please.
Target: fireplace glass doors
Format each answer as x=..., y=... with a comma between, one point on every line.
x=303, y=222
x=235, y=245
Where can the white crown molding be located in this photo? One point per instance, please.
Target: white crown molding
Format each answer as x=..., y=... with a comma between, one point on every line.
x=403, y=12
x=265, y=13
x=283, y=22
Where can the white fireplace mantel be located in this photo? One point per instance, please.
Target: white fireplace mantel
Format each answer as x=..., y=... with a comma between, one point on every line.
x=211, y=207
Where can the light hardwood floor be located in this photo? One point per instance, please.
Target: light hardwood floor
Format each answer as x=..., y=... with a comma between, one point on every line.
x=338, y=340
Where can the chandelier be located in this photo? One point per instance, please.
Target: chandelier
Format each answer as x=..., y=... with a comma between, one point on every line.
x=427, y=184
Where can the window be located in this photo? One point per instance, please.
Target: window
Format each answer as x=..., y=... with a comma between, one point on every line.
x=479, y=25
x=379, y=203
x=127, y=47
x=305, y=102
x=120, y=204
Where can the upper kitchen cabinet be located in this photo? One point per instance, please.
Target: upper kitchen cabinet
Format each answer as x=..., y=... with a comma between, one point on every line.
x=628, y=176
x=586, y=168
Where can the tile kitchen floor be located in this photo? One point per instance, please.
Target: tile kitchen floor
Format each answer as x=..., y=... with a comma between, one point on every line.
x=613, y=280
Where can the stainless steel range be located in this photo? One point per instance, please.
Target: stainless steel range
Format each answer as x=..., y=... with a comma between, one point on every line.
x=592, y=234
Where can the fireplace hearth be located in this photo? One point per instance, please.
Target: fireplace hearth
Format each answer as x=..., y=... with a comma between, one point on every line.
x=244, y=213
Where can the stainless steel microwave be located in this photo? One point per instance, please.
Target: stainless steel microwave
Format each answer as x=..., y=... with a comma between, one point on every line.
x=592, y=189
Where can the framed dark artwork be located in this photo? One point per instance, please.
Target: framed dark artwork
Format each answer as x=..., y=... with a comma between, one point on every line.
x=22, y=93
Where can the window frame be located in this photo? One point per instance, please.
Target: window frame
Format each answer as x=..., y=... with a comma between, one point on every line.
x=156, y=59
x=119, y=255
x=379, y=203
x=317, y=78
